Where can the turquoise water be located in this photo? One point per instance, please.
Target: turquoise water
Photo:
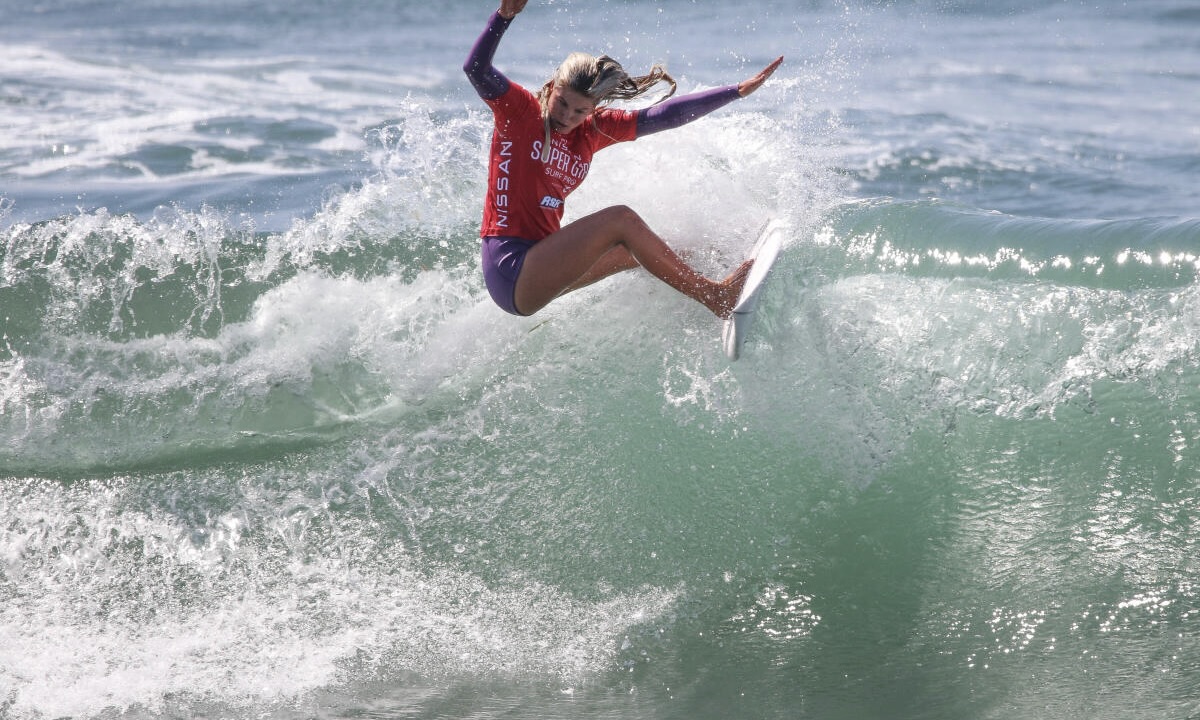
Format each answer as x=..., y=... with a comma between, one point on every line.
x=268, y=450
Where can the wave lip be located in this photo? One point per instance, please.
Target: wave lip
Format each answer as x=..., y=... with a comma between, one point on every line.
x=937, y=238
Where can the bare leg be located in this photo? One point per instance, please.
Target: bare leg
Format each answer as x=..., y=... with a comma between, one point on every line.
x=607, y=242
x=612, y=262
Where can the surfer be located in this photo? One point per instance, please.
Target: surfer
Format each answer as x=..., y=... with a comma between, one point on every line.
x=542, y=147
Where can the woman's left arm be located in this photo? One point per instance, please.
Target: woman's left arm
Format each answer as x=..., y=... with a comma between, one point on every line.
x=682, y=110
x=749, y=85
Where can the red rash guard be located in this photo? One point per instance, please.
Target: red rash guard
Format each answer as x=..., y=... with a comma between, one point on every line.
x=525, y=196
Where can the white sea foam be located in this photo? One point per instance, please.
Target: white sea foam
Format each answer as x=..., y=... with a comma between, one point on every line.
x=110, y=606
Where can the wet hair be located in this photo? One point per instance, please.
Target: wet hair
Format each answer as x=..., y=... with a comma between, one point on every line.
x=602, y=80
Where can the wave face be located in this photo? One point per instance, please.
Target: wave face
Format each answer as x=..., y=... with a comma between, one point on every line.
x=281, y=456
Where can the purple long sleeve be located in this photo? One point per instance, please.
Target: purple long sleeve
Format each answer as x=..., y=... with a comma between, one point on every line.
x=682, y=110
x=491, y=83
x=488, y=81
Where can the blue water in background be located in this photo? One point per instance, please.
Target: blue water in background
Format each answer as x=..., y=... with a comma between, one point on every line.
x=268, y=450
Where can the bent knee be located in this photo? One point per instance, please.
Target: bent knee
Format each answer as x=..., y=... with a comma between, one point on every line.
x=623, y=215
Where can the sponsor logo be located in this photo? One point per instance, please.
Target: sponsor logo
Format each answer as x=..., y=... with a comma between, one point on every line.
x=502, y=181
x=551, y=203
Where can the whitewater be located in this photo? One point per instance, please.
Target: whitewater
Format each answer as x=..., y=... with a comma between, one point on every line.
x=267, y=448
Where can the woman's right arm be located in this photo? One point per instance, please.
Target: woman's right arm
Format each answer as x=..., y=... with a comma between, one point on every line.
x=488, y=81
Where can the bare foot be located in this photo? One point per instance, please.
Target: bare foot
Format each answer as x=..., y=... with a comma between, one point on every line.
x=725, y=295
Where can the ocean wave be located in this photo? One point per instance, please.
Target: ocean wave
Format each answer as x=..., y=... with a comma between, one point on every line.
x=945, y=239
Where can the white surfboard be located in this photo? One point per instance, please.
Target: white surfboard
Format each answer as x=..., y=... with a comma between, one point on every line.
x=765, y=252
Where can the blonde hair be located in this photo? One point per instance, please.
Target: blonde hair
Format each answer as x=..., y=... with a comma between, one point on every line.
x=602, y=80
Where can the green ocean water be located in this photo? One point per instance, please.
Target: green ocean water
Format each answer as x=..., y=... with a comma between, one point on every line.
x=918, y=495
x=301, y=467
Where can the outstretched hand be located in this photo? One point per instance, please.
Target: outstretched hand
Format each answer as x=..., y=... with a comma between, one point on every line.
x=510, y=8
x=749, y=85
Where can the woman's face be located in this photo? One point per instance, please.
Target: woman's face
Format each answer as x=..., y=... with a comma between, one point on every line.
x=568, y=109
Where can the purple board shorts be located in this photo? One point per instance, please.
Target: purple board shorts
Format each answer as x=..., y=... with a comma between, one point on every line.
x=502, y=258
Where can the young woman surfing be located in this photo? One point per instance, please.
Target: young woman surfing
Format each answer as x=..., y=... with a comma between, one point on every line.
x=542, y=147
